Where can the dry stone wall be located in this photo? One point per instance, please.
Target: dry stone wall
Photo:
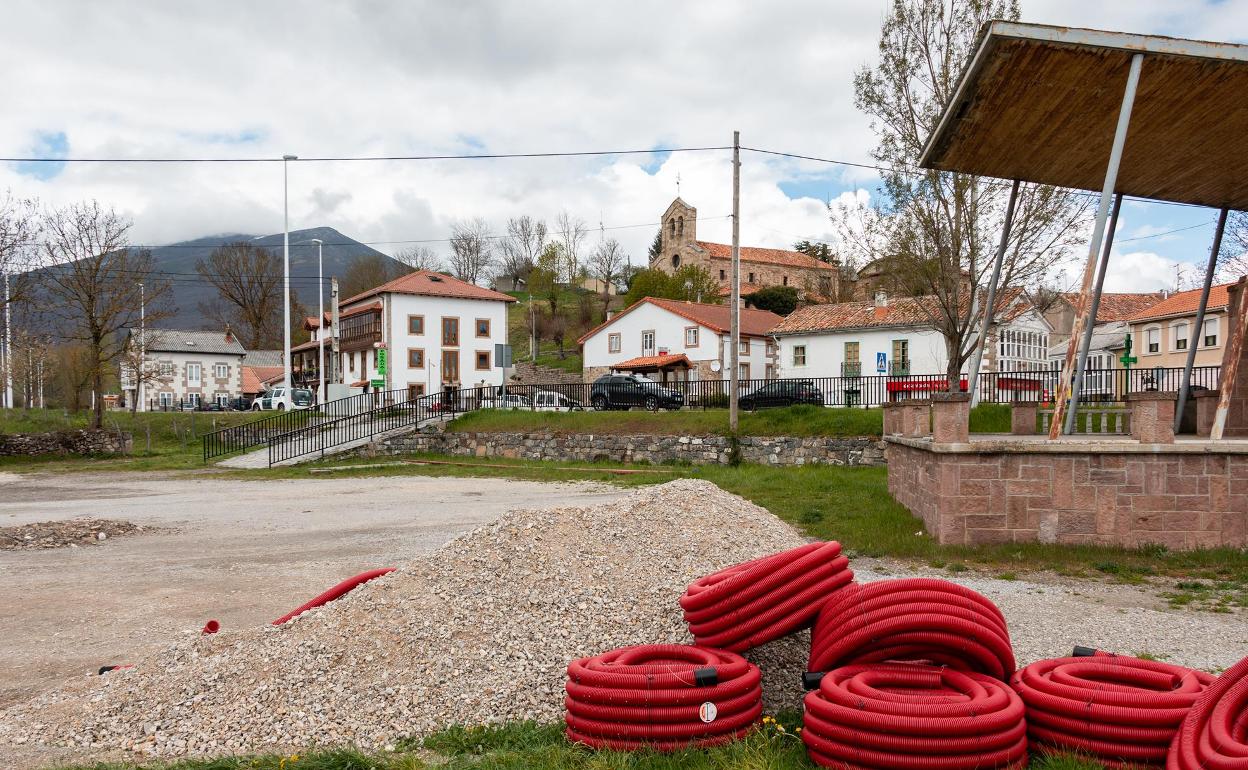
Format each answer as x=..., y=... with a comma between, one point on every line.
x=66, y=442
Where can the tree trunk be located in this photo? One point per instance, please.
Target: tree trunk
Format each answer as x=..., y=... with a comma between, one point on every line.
x=97, y=389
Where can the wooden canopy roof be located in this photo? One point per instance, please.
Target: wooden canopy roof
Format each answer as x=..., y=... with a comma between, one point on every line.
x=1040, y=103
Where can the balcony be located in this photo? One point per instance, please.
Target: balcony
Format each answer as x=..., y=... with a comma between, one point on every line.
x=851, y=368
x=899, y=368
x=360, y=331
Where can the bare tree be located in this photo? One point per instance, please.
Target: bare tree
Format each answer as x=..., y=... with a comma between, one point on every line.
x=571, y=232
x=939, y=230
x=420, y=257
x=248, y=280
x=92, y=280
x=526, y=238
x=607, y=263
x=368, y=271
x=20, y=227
x=137, y=370
x=1233, y=256
x=472, y=251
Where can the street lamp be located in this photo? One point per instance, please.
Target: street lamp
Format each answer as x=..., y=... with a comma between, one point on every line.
x=321, y=395
x=286, y=273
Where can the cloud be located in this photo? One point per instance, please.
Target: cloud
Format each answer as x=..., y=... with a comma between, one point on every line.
x=47, y=144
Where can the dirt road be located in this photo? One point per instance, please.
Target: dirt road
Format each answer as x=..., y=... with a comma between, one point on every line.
x=241, y=552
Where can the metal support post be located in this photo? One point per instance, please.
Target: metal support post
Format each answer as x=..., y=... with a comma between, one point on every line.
x=1085, y=343
x=1197, y=332
x=972, y=373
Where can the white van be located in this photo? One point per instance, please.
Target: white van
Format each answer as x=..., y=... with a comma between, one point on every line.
x=550, y=401
x=508, y=401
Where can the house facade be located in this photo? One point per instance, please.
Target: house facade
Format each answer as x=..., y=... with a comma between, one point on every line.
x=184, y=367
x=1162, y=334
x=759, y=267
x=438, y=333
x=678, y=340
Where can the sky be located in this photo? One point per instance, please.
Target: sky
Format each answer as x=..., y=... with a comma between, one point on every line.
x=379, y=78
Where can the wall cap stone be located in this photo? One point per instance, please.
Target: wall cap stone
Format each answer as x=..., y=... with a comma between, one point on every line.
x=947, y=397
x=1153, y=395
x=1204, y=393
x=1039, y=445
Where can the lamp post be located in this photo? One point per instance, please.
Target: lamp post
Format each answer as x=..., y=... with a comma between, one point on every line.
x=138, y=385
x=286, y=272
x=320, y=318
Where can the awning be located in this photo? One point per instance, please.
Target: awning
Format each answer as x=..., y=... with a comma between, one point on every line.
x=1040, y=103
x=923, y=384
x=653, y=363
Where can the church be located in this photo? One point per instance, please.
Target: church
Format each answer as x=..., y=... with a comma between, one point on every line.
x=815, y=281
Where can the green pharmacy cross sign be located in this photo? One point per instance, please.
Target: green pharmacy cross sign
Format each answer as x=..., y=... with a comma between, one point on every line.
x=1127, y=359
x=381, y=360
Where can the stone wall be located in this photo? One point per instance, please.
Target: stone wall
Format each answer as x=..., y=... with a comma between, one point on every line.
x=1112, y=493
x=529, y=373
x=67, y=442
x=697, y=450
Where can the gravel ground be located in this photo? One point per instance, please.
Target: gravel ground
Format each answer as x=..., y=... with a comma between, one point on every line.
x=64, y=534
x=482, y=629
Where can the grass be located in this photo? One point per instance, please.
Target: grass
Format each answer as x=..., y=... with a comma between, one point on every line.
x=530, y=746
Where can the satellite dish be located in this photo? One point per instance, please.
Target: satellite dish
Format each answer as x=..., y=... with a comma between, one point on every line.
x=715, y=366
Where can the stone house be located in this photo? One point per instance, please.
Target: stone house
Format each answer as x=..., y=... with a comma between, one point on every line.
x=670, y=339
x=815, y=280
x=186, y=367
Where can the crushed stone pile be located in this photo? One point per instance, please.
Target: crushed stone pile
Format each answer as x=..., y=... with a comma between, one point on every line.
x=481, y=631
x=70, y=533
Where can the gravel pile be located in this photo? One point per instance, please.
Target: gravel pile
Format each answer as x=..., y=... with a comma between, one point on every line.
x=480, y=631
x=70, y=533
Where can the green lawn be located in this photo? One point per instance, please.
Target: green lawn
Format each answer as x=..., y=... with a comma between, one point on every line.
x=528, y=746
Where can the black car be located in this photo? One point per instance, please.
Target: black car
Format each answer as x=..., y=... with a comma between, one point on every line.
x=240, y=404
x=782, y=393
x=622, y=391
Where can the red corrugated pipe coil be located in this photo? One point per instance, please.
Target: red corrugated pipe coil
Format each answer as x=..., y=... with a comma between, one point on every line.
x=661, y=696
x=337, y=591
x=1214, y=735
x=915, y=619
x=759, y=601
x=909, y=716
x=1116, y=708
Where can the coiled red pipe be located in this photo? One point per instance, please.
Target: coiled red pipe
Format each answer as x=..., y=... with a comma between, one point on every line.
x=909, y=716
x=337, y=591
x=1117, y=708
x=915, y=619
x=750, y=604
x=1214, y=735
x=661, y=696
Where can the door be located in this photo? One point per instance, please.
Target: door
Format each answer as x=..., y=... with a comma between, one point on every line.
x=647, y=343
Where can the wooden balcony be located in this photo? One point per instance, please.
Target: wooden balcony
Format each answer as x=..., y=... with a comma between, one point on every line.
x=359, y=331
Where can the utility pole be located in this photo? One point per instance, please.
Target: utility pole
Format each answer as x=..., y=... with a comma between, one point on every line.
x=8, y=345
x=333, y=330
x=734, y=335
x=321, y=396
x=286, y=378
x=139, y=375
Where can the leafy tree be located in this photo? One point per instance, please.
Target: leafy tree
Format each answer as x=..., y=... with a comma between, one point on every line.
x=544, y=278
x=691, y=282
x=820, y=251
x=648, y=283
x=656, y=246
x=780, y=300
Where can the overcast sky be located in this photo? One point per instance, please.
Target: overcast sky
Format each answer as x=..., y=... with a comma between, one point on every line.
x=246, y=79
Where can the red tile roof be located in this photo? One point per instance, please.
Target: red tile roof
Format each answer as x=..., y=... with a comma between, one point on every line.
x=254, y=377
x=653, y=362
x=1119, y=306
x=1183, y=303
x=754, y=323
x=900, y=311
x=746, y=290
x=429, y=283
x=765, y=256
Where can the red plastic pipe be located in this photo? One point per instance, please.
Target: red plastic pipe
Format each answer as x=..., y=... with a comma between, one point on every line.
x=664, y=697
x=211, y=627
x=910, y=716
x=337, y=591
x=750, y=604
x=916, y=620
x=1214, y=735
x=1116, y=708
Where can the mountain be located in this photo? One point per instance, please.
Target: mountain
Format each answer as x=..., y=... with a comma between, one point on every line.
x=189, y=289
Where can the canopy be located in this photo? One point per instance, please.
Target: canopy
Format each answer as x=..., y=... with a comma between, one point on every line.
x=1040, y=103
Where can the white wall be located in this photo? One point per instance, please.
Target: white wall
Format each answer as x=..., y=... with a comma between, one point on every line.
x=177, y=385
x=825, y=351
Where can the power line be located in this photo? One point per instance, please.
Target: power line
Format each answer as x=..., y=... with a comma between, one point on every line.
x=369, y=158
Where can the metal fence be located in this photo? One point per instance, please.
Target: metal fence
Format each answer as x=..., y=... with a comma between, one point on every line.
x=301, y=432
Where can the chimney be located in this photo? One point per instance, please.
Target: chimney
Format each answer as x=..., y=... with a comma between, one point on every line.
x=610, y=314
x=229, y=335
x=881, y=300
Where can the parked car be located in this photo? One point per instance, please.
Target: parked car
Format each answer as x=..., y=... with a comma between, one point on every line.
x=506, y=401
x=550, y=401
x=278, y=399
x=211, y=406
x=240, y=404
x=623, y=391
x=782, y=393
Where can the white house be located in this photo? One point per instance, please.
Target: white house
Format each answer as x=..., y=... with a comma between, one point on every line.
x=184, y=367
x=679, y=340
x=437, y=332
x=895, y=337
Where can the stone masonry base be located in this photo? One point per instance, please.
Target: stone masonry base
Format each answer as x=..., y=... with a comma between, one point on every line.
x=1132, y=495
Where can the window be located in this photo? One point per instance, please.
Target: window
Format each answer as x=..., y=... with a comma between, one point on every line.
x=450, y=366
x=483, y=360
x=745, y=371
x=723, y=276
x=1179, y=332
x=167, y=369
x=647, y=343
x=1152, y=340
x=194, y=374
x=751, y=278
x=221, y=371
x=799, y=355
x=450, y=332
x=351, y=362
x=691, y=336
x=743, y=347
x=771, y=348
x=851, y=352
x=375, y=359
x=675, y=260
x=415, y=391
x=901, y=350
x=194, y=399
x=222, y=399
x=613, y=343
x=415, y=324
x=166, y=398
x=1211, y=332
x=784, y=281
x=771, y=372
x=483, y=327
x=415, y=358
x=680, y=226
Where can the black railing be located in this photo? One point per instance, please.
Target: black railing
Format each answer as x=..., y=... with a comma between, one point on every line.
x=301, y=432
x=851, y=368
